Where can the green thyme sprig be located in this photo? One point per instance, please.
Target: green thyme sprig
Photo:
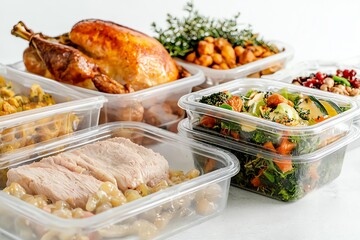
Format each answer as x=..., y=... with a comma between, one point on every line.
x=182, y=35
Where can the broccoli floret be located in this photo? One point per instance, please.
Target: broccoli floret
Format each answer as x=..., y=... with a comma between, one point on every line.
x=230, y=125
x=259, y=137
x=216, y=99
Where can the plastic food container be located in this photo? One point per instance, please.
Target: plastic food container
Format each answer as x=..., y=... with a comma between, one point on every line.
x=260, y=171
x=353, y=61
x=72, y=112
x=307, y=67
x=266, y=65
x=156, y=106
x=250, y=128
x=143, y=218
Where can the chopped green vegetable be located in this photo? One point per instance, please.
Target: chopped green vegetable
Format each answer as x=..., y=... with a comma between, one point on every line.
x=319, y=105
x=288, y=95
x=283, y=113
x=304, y=111
x=289, y=186
x=226, y=106
x=342, y=80
x=344, y=108
x=215, y=99
x=280, y=177
x=335, y=106
x=230, y=126
x=255, y=108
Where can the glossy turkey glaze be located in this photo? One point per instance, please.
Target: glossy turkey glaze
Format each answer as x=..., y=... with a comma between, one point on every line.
x=99, y=53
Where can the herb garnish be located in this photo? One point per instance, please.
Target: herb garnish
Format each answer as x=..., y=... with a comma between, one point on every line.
x=182, y=35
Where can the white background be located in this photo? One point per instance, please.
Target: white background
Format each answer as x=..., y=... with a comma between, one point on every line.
x=321, y=29
x=317, y=29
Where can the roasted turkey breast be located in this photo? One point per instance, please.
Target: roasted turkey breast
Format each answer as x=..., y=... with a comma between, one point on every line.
x=73, y=176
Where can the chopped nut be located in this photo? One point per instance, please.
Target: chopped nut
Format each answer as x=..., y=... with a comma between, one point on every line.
x=354, y=92
x=329, y=81
x=324, y=87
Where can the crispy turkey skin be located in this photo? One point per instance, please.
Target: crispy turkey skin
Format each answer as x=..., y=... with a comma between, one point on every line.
x=124, y=54
x=99, y=55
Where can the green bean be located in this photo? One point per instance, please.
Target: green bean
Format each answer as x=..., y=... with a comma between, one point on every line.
x=342, y=80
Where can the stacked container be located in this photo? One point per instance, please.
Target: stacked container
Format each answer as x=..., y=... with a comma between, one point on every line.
x=319, y=148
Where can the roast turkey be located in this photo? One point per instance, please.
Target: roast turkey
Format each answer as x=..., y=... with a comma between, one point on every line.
x=99, y=55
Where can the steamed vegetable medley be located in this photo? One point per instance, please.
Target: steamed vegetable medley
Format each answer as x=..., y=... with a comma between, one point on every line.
x=290, y=109
x=276, y=175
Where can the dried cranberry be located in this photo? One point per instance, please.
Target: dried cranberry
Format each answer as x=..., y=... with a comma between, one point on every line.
x=319, y=76
x=313, y=83
x=338, y=72
x=308, y=84
x=352, y=73
x=346, y=73
x=355, y=83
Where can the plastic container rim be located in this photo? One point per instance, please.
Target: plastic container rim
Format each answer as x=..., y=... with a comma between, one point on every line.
x=287, y=53
x=59, y=108
x=307, y=65
x=310, y=65
x=140, y=205
x=184, y=127
x=195, y=79
x=188, y=102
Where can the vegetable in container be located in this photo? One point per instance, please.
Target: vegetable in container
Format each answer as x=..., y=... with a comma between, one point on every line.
x=215, y=43
x=269, y=168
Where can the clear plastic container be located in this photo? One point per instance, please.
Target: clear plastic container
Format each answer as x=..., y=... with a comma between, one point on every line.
x=265, y=66
x=306, y=68
x=352, y=61
x=72, y=111
x=156, y=106
x=250, y=128
x=157, y=215
x=285, y=178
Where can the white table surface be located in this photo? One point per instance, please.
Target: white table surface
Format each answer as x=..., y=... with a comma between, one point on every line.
x=325, y=30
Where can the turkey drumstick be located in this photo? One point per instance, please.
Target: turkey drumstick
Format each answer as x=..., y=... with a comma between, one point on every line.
x=65, y=63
